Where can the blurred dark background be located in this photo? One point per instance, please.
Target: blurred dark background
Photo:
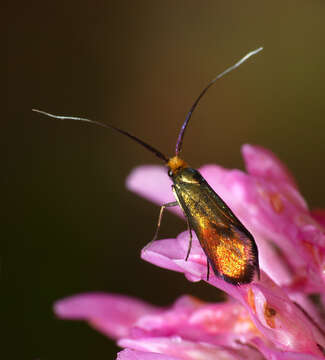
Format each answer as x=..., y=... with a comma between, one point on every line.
x=70, y=224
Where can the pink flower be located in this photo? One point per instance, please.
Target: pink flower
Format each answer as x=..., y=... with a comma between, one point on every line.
x=273, y=318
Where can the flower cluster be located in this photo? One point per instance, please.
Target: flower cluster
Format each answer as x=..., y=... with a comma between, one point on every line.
x=270, y=318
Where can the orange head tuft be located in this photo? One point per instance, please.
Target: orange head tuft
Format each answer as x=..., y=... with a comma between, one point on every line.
x=176, y=163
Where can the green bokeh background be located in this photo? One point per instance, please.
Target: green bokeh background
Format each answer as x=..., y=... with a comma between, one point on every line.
x=72, y=225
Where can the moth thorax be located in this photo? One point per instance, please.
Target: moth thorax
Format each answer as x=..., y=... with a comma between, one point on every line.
x=176, y=164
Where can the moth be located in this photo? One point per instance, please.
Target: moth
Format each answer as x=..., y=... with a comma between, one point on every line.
x=230, y=248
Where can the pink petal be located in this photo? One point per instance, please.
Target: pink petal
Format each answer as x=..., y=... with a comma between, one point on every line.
x=275, y=354
x=262, y=163
x=168, y=255
x=171, y=254
x=113, y=315
x=281, y=321
x=278, y=319
x=217, y=324
x=274, y=265
x=269, y=214
x=304, y=302
x=129, y=354
x=153, y=183
x=187, y=350
x=164, y=253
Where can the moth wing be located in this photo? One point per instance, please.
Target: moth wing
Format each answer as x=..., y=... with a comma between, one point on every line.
x=230, y=252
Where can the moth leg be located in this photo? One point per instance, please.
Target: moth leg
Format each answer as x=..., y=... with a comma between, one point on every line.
x=171, y=204
x=208, y=269
x=188, y=224
x=190, y=242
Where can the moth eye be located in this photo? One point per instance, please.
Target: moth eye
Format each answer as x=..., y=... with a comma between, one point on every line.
x=170, y=173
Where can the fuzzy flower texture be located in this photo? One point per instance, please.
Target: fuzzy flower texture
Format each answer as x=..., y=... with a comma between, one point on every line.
x=280, y=316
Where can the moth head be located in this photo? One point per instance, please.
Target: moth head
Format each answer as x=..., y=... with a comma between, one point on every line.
x=182, y=173
x=175, y=166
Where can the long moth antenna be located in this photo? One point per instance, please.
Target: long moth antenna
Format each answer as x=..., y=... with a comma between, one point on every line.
x=233, y=67
x=108, y=126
